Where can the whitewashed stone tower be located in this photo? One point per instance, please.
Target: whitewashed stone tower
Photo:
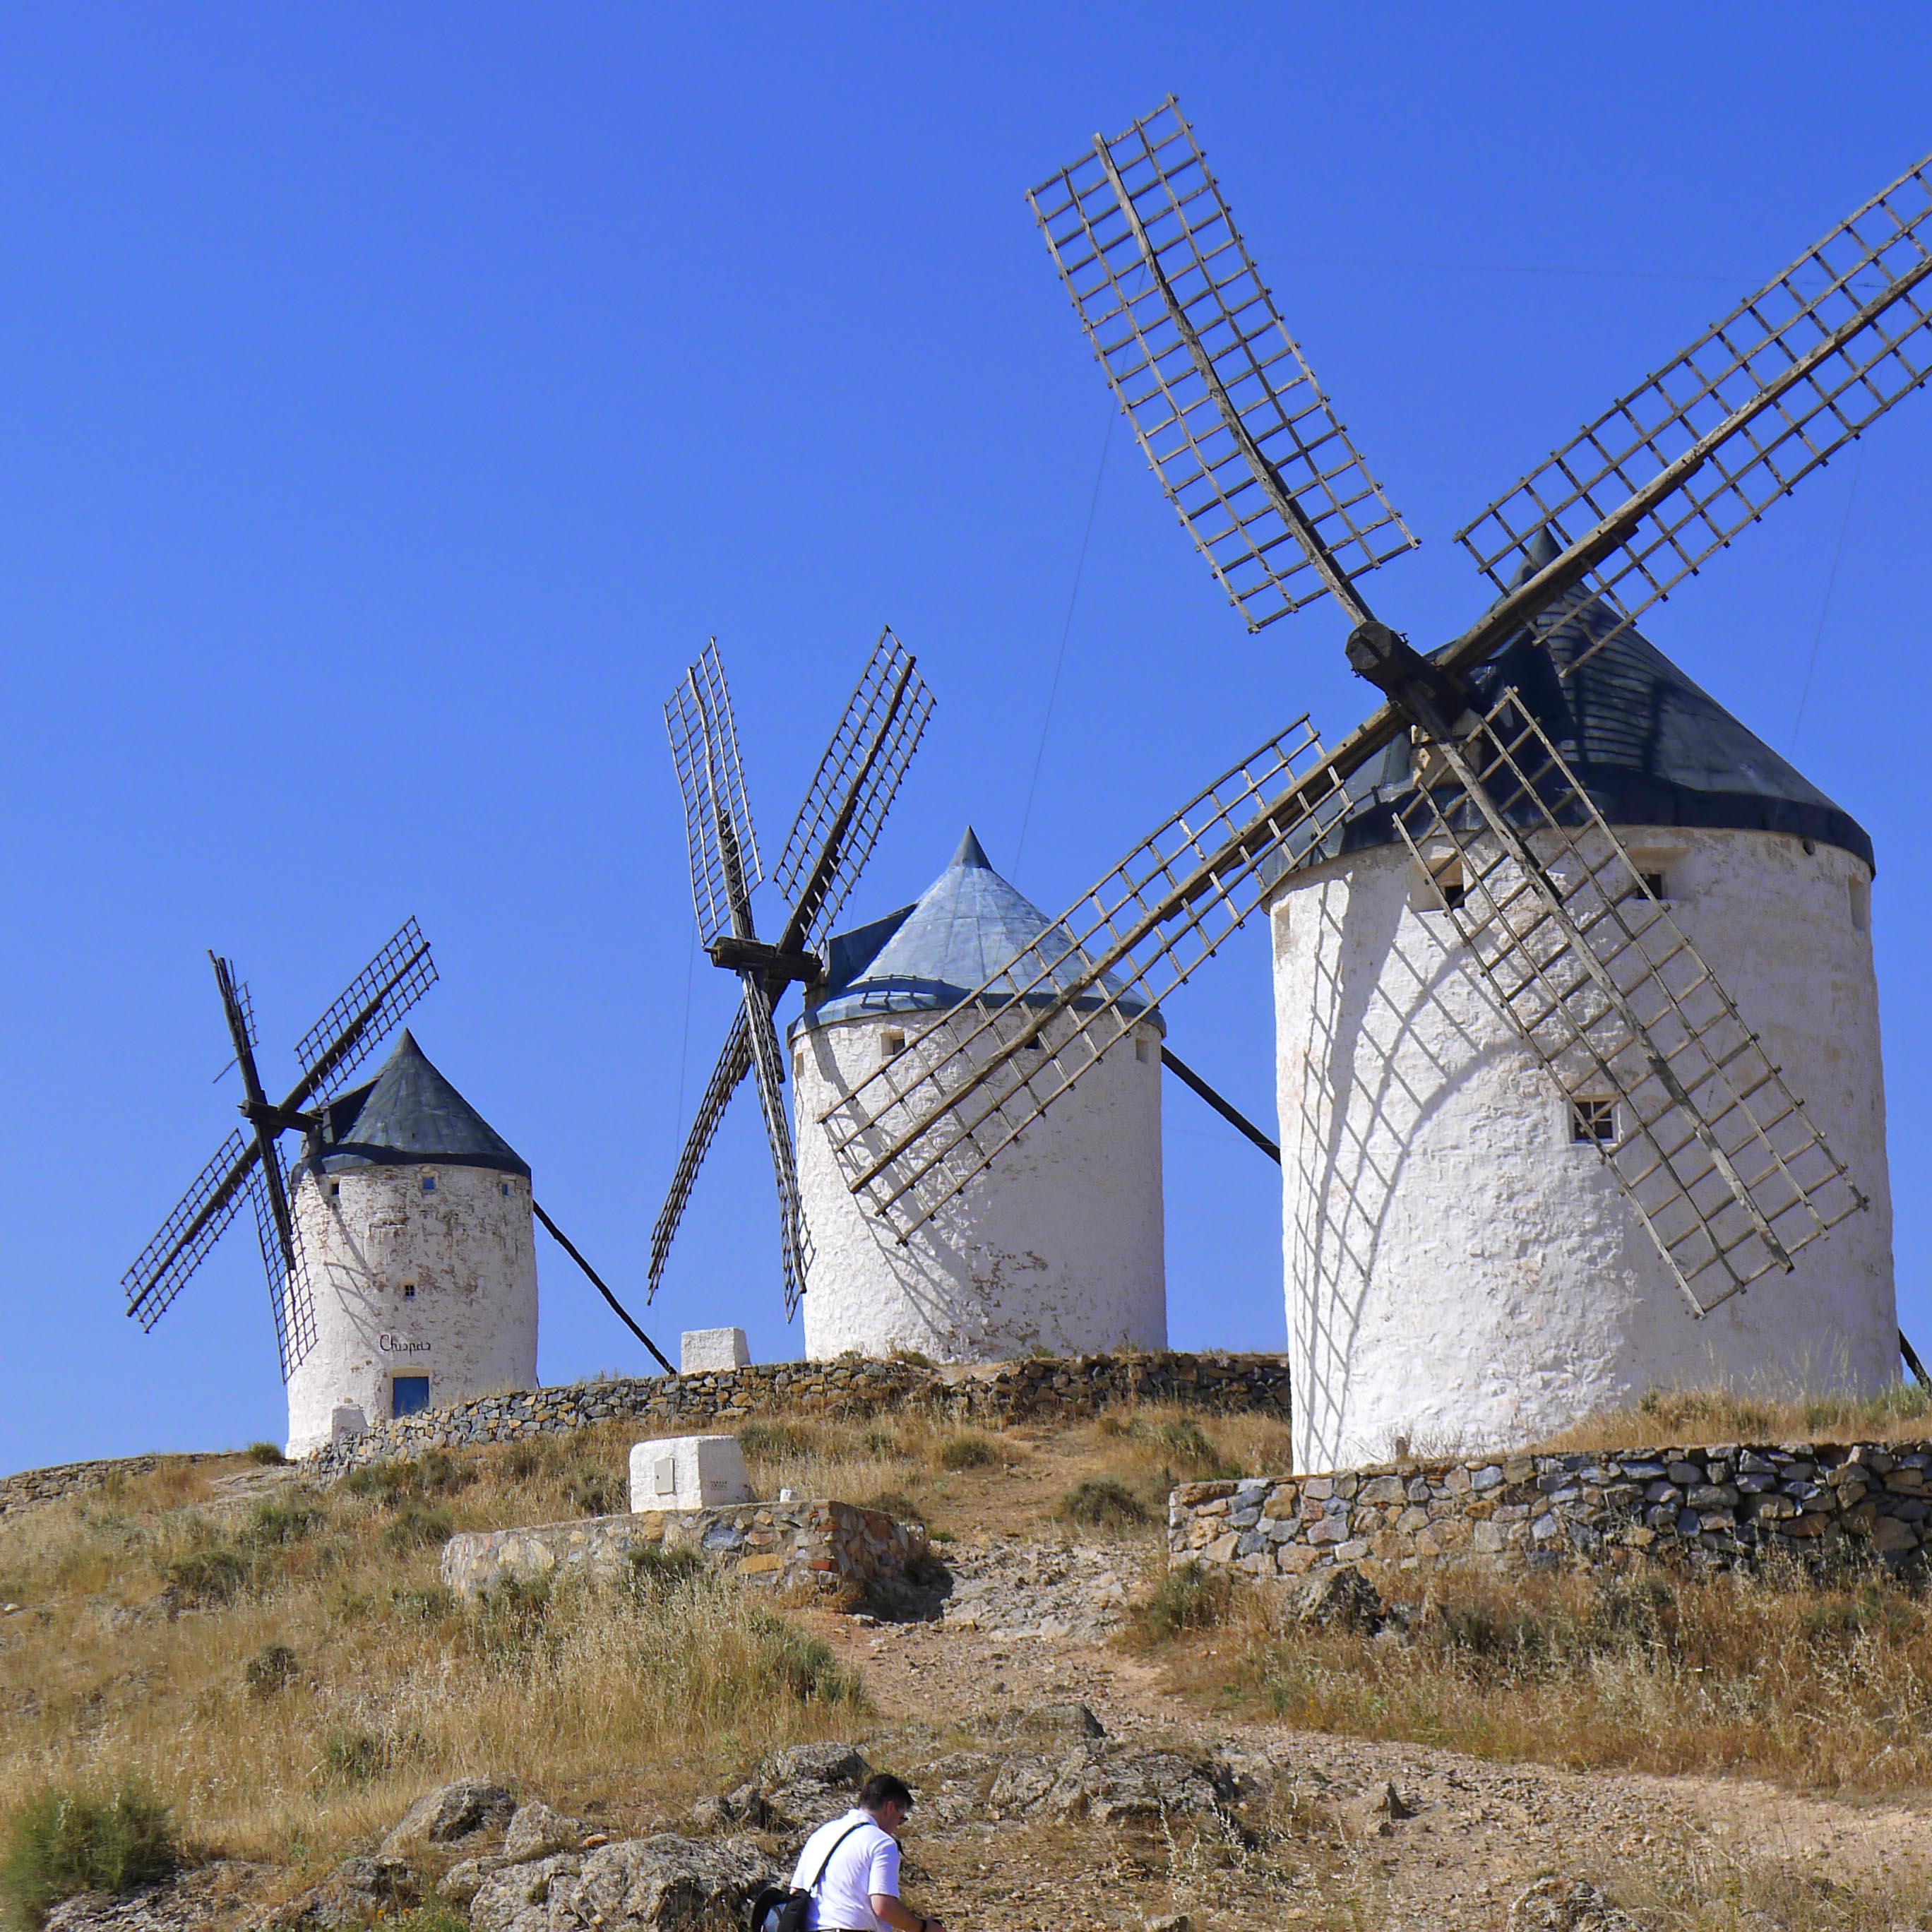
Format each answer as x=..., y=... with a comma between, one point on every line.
x=1462, y=1269
x=1059, y=1246
x=414, y=1217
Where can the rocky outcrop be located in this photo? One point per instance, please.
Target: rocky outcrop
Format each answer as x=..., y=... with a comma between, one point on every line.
x=660, y=1884
x=450, y=1814
x=1813, y=1504
x=824, y=1549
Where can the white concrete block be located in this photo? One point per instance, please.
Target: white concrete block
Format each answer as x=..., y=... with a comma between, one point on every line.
x=346, y=1422
x=689, y=1472
x=707, y=1351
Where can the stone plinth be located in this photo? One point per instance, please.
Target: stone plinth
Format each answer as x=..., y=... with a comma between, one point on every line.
x=831, y=1549
x=709, y=1351
x=1817, y=1503
x=689, y=1472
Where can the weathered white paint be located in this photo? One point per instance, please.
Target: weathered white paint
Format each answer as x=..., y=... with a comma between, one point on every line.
x=1059, y=1246
x=709, y=1351
x=689, y=1472
x=1459, y=1271
x=466, y=1247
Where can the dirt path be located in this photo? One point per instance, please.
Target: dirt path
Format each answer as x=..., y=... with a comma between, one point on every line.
x=1479, y=1831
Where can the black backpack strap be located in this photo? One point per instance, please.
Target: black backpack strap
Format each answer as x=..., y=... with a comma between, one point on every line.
x=835, y=1844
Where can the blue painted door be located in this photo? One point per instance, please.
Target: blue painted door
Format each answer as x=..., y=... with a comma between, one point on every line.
x=408, y=1393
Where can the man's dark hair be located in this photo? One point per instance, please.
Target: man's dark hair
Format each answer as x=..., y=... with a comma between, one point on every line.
x=882, y=1788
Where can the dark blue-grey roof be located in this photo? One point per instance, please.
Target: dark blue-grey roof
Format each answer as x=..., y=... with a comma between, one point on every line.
x=927, y=958
x=410, y=1115
x=1650, y=747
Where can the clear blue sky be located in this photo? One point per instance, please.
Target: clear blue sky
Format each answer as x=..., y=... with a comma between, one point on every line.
x=393, y=399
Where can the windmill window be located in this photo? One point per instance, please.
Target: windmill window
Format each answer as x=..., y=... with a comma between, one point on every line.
x=1593, y=1123
x=409, y=1291
x=1658, y=884
x=503, y=1188
x=334, y=1188
x=891, y=1041
x=429, y=1183
x=1446, y=889
x=1859, y=891
x=1143, y=1049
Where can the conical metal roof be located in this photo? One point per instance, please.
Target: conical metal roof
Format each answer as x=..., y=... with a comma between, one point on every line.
x=1650, y=747
x=410, y=1115
x=966, y=926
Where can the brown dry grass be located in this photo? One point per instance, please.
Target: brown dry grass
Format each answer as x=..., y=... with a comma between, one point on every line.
x=145, y=1603
x=1696, y=1417
x=1822, y=1689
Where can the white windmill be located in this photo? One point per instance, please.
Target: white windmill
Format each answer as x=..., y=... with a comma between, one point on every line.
x=1536, y=1152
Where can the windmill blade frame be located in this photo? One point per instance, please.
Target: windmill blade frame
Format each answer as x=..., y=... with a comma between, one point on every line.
x=1722, y=1163
x=400, y=974
x=1669, y=474
x=290, y=1294
x=723, y=842
x=198, y=1221
x=922, y=1126
x=1226, y=410
x=845, y=807
x=768, y=1070
x=734, y=1062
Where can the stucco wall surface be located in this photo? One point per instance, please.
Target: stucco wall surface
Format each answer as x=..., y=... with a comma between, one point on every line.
x=1461, y=1273
x=1059, y=1247
x=468, y=1248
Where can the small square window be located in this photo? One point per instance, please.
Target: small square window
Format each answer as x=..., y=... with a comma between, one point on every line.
x=891, y=1041
x=1593, y=1123
x=1658, y=884
x=429, y=1183
x=1144, y=1050
x=1447, y=889
x=503, y=1188
x=334, y=1188
x=409, y=1291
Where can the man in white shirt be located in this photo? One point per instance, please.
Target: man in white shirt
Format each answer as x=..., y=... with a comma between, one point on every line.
x=851, y=1866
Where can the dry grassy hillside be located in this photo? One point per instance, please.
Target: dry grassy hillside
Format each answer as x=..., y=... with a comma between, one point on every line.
x=281, y=1668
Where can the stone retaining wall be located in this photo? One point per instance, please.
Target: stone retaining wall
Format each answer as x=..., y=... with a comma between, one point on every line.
x=1000, y=1393
x=831, y=1549
x=31, y=1486
x=1716, y=1508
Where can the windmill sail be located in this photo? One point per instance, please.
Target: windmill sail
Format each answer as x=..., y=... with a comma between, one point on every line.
x=1226, y=409
x=725, y=864
x=198, y=1221
x=1722, y=1163
x=368, y=1009
x=1670, y=473
x=733, y=1063
x=935, y=1116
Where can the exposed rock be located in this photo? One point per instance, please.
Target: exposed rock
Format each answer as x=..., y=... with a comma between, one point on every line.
x=1072, y=1720
x=827, y=1763
x=186, y=1904
x=452, y=1813
x=1342, y=1600
x=536, y=1831
x=1111, y=1787
x=355, y=1892
x=660, y=1884
x=461, y=1883
x=1567, y=1905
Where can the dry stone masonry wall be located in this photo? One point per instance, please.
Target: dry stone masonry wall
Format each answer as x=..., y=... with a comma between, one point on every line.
x=1005, y=1392
x=829, y=1549
x=1720, y=1507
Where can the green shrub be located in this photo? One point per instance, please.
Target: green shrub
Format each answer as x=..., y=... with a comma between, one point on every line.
x=435, y=1917
x=427, y=1603
x=1194, y=1597
x=212, y=1573
x=1193, y=1449
x=895, y=1503
x=350, y=1758
x=435, y=1473
x=414, y=1525
x=968, y=1450
x=526, y=1458
x=277, y=1521
x=806, y=1666
x=1103, y=1503
x=598, y=1492
x=65, y=1841
x=509, y=1620
x=265, y=1452
x=656, y=1568
x=272, y=1668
